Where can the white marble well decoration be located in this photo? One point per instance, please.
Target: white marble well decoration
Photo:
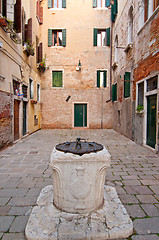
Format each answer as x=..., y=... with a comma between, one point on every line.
x=78, y=181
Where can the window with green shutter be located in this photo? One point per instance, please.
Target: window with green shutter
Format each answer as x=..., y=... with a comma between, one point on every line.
x=101, y=79
x=114, y=92
x=101, y=37
x=56, y=78
x=101, y=3
x=127, y=84
x=56, y=3
x=56, y=37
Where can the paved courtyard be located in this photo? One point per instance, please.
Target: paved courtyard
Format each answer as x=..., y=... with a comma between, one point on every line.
x=24, y=171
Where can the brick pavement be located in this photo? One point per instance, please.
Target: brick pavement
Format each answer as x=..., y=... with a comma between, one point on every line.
x=24, y=171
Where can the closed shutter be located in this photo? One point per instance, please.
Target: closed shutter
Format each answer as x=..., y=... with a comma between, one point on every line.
x=64, y=37
x=98, y=79
x=146, y=10
x=28, y=31
x=107, y=3
x=108, y=36
x=114, y=92
x=40, y=52
x=64, y=3
x=41, y=15
x=94, y=3
x=57, y=78
x=95, y=36
x=17, y=16
x=127, y=84
x=105, y=79
x=49, y=37
x=49, y=3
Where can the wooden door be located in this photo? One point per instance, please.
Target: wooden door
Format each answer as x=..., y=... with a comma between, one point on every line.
x=151, y=120
x=80, y=115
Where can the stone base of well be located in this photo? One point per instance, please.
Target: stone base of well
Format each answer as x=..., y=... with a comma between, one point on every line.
x=46, y=222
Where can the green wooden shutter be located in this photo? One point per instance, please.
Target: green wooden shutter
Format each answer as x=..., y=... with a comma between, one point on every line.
x=95, y=36
x=64, y=37
x=114, y=92
x=115, y=6
x=49, y=3
x=113, y=15
x=49, y=37
x=105, y=78
x=107, y=3
x=98, y=79
x=127, y=84
x=108, y=36
x=64, y=3
x=57, y=78
x=94, y=3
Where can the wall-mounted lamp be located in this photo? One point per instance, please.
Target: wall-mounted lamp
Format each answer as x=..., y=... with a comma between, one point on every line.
x=79, y=66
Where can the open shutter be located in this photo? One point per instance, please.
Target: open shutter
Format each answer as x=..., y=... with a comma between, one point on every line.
x=64, y=3
x=95, y=36
x=17, y=16
x=115, y=6
x=127, y=84
x=94, y=3
x=105, y=79
x=41, y=15
x=49, y=3
x=28, y=31
x=98, y=79
x=40, y=52
x=64, y=37
x=107, y=3
x=146, y=10
x=108, y=36
x=114, y=92
x=49, y=37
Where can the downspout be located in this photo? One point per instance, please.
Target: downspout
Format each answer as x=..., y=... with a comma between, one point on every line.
x=11, y=113
x=111, y=50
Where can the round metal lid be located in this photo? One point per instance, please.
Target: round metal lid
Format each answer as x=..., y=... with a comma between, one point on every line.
x=79, y=147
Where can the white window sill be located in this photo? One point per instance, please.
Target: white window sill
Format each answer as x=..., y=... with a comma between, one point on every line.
x=56, y=9
x=148, y=20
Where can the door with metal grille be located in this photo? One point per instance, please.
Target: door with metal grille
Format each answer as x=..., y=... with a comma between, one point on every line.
x=151, y=120
x=16, y=120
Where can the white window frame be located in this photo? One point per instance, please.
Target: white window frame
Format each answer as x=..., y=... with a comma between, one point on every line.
x=31, y=88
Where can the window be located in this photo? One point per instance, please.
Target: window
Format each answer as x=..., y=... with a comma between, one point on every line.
x=101, y=37
x=150, y=6
x=101, y=3
x=114, y=92
x=57, y=37
x=38, y=92
x=56, y=78
x=16, y=87
x=101, y=79
x=56, y=3
x=31, y=88
x=152, y=83
x=130, y=25
x=116, y=49
x=39, y=12
x=141, y=94
x=25, y=90
x=127, y=84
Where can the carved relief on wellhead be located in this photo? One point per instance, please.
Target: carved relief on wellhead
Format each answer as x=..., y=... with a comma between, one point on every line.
x=57, y=187
x=100, y=179
x=80, y=187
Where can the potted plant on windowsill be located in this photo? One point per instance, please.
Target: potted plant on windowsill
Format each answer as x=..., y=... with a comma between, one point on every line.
x=42, y=65
x=140, y=109
x=28, y=47
x=6, y=24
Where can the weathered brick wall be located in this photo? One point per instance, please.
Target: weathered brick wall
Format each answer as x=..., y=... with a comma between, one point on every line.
x=5, y=119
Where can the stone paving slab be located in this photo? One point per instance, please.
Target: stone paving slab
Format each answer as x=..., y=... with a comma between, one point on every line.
x=134, y=173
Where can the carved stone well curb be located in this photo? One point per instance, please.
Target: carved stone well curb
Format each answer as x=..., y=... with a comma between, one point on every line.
x=78, y=206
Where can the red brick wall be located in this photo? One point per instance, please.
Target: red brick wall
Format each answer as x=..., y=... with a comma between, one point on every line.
x=5, y=119
x=145, y=67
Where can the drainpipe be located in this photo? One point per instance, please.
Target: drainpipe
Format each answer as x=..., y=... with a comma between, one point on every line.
x=11, y=112
x=111, y=49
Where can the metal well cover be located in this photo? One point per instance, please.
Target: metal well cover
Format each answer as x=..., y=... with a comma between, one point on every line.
x=79, y=147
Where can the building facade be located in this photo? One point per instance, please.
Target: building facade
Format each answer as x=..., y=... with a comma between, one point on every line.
x=76, y=84
x=20, y=79
x=136, y=70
